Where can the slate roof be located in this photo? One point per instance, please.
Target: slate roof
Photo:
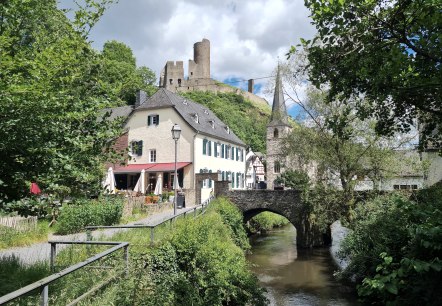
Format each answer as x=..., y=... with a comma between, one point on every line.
x=208, y=124
x=117, y=112
x=279, y=112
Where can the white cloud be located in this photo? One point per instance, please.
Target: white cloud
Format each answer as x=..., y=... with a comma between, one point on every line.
x=246, y=36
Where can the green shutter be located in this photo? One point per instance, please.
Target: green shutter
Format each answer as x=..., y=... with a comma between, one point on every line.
x=222, y=151
x=215, y=149
x=233, y=179
x=149, y=120
x=204, y=146
x=210, y=148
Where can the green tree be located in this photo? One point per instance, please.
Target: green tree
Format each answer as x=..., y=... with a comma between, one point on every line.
x=50, y=99
x=121, y=77
x=388, y=51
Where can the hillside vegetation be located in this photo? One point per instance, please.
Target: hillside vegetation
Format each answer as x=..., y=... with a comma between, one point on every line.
x=246, y=120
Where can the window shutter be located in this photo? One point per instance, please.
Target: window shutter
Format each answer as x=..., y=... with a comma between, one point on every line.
x=233, y=179
x=237, y=157
x=215, y=149
x=232, y=155
x=204, y=146
x=210, y=181
x=158, y=119
x=210, y=148
x=242, y=155
x=140, y=148
x=222, y=151
x=149, y=120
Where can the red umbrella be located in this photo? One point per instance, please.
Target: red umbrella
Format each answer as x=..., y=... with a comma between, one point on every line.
x=35, y=189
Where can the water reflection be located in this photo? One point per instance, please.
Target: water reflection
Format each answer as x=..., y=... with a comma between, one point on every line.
x=292, y=277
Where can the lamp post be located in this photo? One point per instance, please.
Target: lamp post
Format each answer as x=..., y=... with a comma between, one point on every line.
x=176, y=131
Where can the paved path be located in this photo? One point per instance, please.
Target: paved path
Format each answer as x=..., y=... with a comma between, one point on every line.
x=40, y=252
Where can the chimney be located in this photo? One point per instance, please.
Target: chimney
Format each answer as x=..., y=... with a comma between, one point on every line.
x=140, y=98
x=251, y=84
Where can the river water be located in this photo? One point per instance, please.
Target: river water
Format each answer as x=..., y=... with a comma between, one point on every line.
x=296, y=277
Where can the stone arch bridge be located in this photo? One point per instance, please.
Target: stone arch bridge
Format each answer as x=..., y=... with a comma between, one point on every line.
x=286, y=203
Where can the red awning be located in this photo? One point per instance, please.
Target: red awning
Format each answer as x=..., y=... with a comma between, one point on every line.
x=154, y=167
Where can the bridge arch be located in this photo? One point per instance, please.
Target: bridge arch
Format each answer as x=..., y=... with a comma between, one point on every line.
x=287, y=203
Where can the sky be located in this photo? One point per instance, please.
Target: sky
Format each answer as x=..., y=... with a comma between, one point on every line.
x=246, y=36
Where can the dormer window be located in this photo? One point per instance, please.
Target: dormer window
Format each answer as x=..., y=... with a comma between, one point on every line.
x=212, y=123
x=206, y=112
x=195, y=117
x=185, y=102
x=227, y=129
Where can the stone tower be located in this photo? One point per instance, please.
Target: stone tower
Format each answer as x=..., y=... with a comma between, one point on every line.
x=277, y=128
x=199, y=67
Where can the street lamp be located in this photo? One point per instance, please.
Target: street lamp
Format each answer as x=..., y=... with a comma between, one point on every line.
x=176, y=131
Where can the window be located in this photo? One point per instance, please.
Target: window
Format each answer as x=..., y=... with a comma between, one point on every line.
x=223, y=176
x=204, y=146
x=153, y=156
x=227, y=152
x=242, y=155
x=212, y=123
x=237, y=179
x=170, y=81
x=136, y=148
x=237, y=154
x=232, y=156
x=277, y=167
x=153, y=120
x=179, y=82
x=227, y=129
x=195, y=117
x=215, y=149
x=233, y=179
x=275, y=133
x=209, y=144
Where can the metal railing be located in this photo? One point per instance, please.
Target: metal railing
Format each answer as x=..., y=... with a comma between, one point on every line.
x=152, y=227
x=44, y=283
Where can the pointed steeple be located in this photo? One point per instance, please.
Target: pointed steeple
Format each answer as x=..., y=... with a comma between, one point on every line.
x=279, y=112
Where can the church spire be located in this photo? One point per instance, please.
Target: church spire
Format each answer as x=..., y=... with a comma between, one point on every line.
x=279, y=112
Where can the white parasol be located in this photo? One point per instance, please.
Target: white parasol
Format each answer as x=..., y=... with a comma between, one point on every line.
x=158, y=186
x=109, y=182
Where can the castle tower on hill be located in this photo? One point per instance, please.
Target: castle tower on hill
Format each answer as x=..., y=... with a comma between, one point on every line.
x=172, y=75
x=277, y=128
x=198, y=78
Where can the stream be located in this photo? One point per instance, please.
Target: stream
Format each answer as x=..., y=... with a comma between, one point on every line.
x=296, y=277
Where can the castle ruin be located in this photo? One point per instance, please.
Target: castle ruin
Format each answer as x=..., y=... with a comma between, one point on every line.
x=172, y=76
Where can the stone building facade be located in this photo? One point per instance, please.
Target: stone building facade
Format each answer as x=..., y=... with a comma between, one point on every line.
x=277, y=129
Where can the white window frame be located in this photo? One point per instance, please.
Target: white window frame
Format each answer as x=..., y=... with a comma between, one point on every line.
x=153, y=152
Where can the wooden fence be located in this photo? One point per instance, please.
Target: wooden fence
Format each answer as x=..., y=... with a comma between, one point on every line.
x=19, y=223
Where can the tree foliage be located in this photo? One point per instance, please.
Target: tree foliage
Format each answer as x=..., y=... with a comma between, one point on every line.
x=395, y=249
x=50, y=99
x=245, y=120
x=389, y=51
x=342, y=148
x=120, y=76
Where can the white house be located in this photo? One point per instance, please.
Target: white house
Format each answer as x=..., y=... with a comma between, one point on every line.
x=255, y=170
x=206, y=144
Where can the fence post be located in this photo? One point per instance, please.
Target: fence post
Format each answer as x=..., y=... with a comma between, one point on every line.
x=53, y=255
x=151, y=235
x=126, y=259
x=88, y=235
x=44, y=296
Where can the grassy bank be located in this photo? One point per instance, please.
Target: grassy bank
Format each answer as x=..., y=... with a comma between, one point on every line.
x=194, y=261
x=266, y=221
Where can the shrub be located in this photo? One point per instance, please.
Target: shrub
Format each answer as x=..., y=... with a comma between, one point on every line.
x=196, y=263
x=75, y=217
x=395, y=249
x=266, y=221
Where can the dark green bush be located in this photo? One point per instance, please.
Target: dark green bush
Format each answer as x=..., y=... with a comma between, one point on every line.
x=197, y=263
x=75, y=217
x=396, y=249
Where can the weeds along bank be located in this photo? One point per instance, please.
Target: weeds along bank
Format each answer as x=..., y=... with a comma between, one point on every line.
x=198, y=261
x=266, y=221
x=194, y=261
x=396, y=249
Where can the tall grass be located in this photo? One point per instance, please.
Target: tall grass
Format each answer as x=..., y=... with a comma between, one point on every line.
x=10, y=237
